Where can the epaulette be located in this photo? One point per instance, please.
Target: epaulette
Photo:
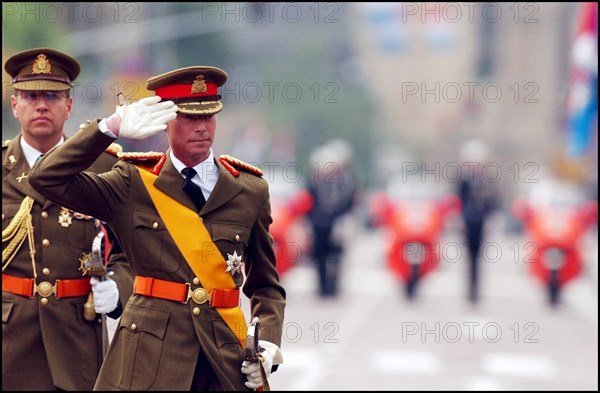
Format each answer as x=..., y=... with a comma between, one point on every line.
x=140, y=156
x=151, y=161
x=114, y=149
x=5, y=143
x=231, y=163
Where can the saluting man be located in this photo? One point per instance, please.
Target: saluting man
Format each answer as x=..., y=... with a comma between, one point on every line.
x=189, y=223
x=48, y=342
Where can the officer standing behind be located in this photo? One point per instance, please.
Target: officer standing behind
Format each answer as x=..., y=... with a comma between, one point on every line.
x=47, y=343
x=188, y=223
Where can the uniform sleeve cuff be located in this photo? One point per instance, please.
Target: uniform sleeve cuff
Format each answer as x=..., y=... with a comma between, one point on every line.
x=102, y=126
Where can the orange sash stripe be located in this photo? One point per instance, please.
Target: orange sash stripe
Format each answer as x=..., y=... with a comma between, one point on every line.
x=199, y=250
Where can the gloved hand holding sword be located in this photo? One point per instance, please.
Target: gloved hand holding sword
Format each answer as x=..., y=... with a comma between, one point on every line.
x=104, y=297
x=260, y=355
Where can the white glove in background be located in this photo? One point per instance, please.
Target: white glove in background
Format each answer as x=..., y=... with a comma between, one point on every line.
x=106, y=295
x=271, y=355
x=146, y=117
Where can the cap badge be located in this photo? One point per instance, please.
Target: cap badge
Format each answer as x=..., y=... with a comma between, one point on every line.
x=41, y=65
x=199, y=86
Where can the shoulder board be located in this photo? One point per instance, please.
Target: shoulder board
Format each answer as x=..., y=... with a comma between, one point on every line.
x=140, y=156
x=114, y=149
x=5, y=143
x=151, y=161
x=232, y=164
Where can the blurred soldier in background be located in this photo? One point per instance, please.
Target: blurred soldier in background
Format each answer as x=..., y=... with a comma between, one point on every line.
x=333, y=188
x=479, y=199
x=48, y=342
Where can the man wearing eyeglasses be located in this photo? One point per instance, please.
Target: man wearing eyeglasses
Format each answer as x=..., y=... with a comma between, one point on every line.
x=48, y=343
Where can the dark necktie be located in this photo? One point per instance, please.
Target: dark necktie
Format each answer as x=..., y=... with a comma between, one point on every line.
x=39, y=158
x=192, y=189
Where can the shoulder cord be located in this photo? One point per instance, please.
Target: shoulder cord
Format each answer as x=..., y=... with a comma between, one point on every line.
x=19, y=228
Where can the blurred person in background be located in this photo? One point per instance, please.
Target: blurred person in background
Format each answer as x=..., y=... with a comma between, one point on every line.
x=333, y=188
x=479, y=199
x=48, y=341
x=191, y=224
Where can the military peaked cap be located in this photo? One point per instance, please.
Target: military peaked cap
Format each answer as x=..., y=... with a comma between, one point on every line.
x=42, y=69
x=193, y=89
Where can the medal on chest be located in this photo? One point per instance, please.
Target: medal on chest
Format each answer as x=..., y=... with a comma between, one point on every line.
x=65, y=218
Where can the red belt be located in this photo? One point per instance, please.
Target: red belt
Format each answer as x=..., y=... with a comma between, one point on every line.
x=62, y=288
x=178, y=292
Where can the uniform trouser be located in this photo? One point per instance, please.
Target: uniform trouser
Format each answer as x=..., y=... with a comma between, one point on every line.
x=474, y=234
x=327, y=257
x=204, y=376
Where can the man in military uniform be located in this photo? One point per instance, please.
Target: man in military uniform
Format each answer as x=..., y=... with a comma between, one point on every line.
x=47, y=343
x=479, y=199
x=334, y=190
x=188, y=223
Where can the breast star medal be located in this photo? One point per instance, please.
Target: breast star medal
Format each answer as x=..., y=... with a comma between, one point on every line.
x=65, y=218
x=234, y=263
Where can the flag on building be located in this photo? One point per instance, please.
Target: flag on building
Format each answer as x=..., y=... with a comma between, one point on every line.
x=582, y=101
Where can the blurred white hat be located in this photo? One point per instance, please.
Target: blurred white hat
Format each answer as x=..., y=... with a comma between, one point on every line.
x=474, y=150
x=340, y=151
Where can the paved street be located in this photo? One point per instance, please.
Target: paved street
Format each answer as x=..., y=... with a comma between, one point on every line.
x=372, y=338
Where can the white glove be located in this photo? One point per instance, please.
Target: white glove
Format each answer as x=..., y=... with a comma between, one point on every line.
x=106, y=295
x=271, y=355
x=146, y=117
x=252, y=372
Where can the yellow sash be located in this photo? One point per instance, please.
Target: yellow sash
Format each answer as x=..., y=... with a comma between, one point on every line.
x=199, y=250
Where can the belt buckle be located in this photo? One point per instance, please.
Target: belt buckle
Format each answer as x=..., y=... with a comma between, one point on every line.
x=44, y=289
x=198, y=295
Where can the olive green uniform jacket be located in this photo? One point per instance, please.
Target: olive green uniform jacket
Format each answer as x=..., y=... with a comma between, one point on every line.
x=50, y=345
x=157, y=342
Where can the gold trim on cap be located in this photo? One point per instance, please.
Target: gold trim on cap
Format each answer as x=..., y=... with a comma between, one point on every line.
x=185, y=108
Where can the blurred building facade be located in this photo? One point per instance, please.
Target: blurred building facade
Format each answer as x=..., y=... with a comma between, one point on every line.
x=445, y=72
x=405, y=83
